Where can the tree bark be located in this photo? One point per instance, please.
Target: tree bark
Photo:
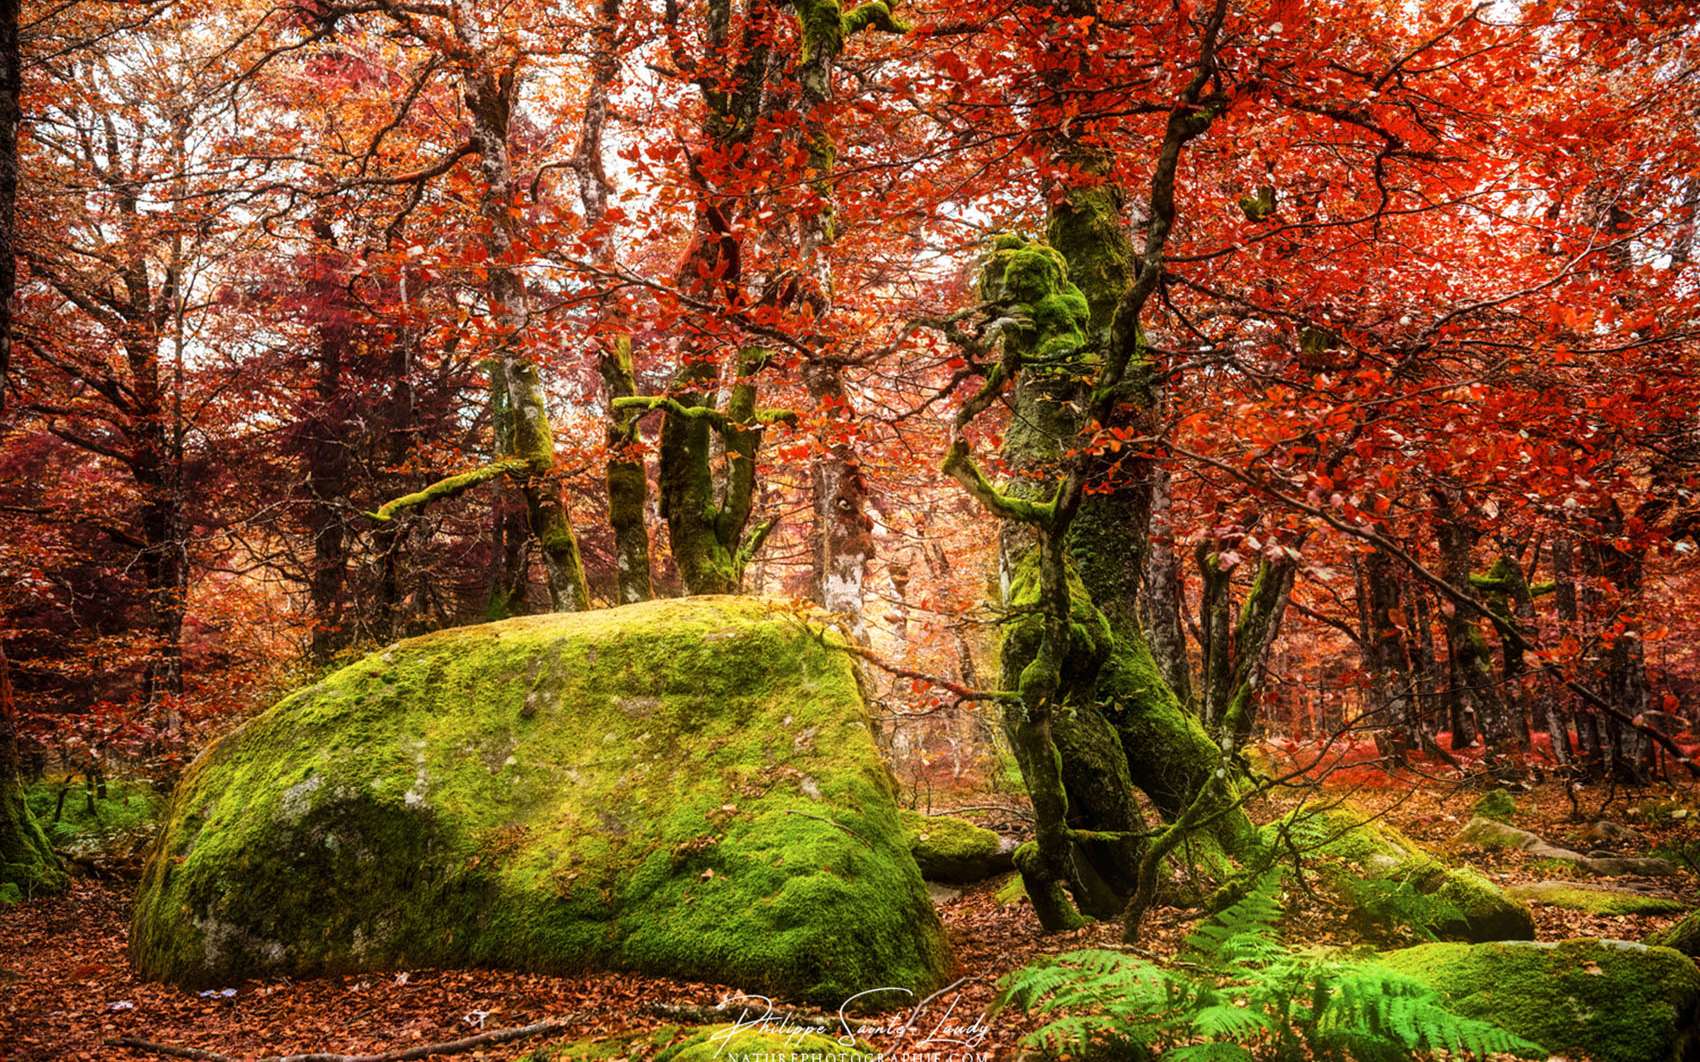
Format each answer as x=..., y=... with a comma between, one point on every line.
x=1160, y=605
x=628, y=485
x=623, y=472
x=842, y=543
x=490, y=89
x=10, y=89
x=1472, y=665
x=326, y=444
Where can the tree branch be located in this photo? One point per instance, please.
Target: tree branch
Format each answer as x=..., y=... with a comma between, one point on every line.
x=450, y=486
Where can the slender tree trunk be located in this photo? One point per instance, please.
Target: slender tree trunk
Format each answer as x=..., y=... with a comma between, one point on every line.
x=1506, y=593
x=327, y=449
x=1160, y=605
x=490, y=91
x=627, y=484
x=1384, y=629
x=510, y=553
x=1424, y=662
x=164, y=556
x=398, y=415
x=1471, y=660
x=1562, y=706
x=10, y=87
x=842, y=538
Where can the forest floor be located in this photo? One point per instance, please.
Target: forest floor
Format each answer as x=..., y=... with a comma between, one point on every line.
x=66, y=989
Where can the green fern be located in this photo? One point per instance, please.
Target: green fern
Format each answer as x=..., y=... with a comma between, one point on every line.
x=1251, y=998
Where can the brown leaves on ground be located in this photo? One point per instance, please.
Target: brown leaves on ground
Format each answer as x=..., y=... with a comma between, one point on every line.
x=66, y=987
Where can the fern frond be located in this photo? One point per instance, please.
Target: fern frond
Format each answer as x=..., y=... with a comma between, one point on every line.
x=1227, y=1021
x=1243, y=932
x=1211, y=1052
x=1253, y=999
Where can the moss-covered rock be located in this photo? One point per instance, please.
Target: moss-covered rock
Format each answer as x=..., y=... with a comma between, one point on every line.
x=28, y=865
x=684, y=787
x=1392, y=882
x=1496, y=804
x=955, y=850
x=1010, y=890
x=1683, y=935
x=711, y=1043
x=1605, y=1000
x=1593, y=899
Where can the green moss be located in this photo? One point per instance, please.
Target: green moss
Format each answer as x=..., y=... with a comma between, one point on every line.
x=1610, y=1001
x=947, y=848
x=1683, y=935
x=86, y=824
x=1046, y=317
x=28, y=865
x=1594, y=901
x=1497, y=805
x=684, y=787
x=675, y=1043
x=1392, y=883
x=1087, y=229
x=1011, y=891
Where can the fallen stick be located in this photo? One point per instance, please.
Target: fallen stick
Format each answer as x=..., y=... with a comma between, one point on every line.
x=447, y=1047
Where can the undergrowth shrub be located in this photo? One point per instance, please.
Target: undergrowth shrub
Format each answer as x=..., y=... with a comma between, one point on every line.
x=1238, y=994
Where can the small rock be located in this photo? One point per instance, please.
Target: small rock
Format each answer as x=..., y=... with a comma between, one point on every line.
x=1608, y=833
x=942, y=893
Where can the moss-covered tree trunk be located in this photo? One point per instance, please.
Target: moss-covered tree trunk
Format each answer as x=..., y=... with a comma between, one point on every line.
x=1511, y=606
x=1481, y=706
x=708, y=513
x=1162, y=595
x=490, y=96
x=28, y=866
x=1384, y=647
x=510, y=523
x=1093, y=717
x=707, y=467
x=627, y=483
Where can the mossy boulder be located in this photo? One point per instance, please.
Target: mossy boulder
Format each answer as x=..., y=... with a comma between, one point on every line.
x=1594, y=899
x=685, y=787
x=1391, y=882
x=955, y=850
x=1605, y=1000
x=1497, y=805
